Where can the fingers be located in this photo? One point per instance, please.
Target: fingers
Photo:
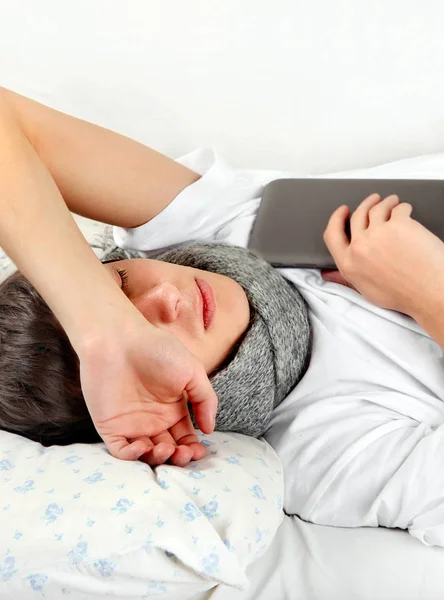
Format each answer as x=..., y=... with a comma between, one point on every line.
x=178, y=446
x=185, y=434
x=402, y=211
x=182, y=456
x=163, y=447
x=179, y=456
x=158, y=455
x=335, y=277
x=198, y=451
x=360, y=219
x=163, y=438
x=119, y=447
x=166, y=449
x=335, y=237
x=203, y=398
x=381, y=213
x=370, y=211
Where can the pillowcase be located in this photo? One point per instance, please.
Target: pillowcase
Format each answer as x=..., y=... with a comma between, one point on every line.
x=6, y=265
x=77, y=522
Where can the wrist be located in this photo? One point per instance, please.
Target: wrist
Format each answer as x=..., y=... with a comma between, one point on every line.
x=99, y=314
x=111, y=333
x=84, y=296
x=427, y=309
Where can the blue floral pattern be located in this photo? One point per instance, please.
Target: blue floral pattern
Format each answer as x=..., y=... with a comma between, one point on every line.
x=37, y=581
x=210, y=509
x=122, y=505
x=52, y=513
x=79, y=552
x=105, y=567
x=95, y=477
x=91, y=512
x=191, y=512
x=7, y=568
x=25, y=487
x=6, y=465
x=210, y=563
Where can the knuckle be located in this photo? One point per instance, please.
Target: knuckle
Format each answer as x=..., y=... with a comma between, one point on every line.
x=327, y=236
x=359, y=248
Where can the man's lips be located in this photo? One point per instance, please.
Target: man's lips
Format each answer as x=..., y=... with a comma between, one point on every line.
x=208, y=301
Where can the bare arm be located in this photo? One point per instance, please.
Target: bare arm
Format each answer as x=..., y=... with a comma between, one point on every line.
x=130, y=370
x=40, y=235
x=391, y=259
x=431, y=315
x=50, y=161
x=101, y=174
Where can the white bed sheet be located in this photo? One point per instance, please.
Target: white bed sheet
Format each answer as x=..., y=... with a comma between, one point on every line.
x=313, y=562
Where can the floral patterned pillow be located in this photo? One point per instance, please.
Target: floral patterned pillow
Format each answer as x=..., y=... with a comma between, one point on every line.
x=77, y=523
x=6, y=265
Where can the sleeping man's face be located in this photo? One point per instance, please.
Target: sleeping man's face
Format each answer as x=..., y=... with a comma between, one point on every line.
x=207, y=312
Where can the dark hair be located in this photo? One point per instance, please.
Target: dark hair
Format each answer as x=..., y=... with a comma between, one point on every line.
x=40, y=393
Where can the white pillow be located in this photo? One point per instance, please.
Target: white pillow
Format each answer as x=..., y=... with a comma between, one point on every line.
x=75, y=521
x=6, y=265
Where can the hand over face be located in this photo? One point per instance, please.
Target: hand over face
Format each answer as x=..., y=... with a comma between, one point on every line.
x=136, y=384
x=391, y=259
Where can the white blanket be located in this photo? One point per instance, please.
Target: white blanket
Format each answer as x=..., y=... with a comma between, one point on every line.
x=361, y=437
x=313, y=562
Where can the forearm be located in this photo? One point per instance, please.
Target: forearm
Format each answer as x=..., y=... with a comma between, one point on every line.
x=39, y=234
x=101, y=174
x=428, y=311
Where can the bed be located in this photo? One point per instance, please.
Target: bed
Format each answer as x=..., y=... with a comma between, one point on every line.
x=306, y=88
x=312, y=562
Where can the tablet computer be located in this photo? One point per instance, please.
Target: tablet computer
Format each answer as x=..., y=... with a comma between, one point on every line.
x=293, y=214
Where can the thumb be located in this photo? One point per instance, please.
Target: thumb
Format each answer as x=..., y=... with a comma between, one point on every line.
x=336, y=277
x=203, y=398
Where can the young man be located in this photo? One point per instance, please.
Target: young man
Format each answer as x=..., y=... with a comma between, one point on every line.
x=51, y=163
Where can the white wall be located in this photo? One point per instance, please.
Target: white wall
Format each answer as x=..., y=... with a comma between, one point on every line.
x=313, y=85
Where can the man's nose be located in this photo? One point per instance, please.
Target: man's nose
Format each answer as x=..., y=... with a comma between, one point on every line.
x=160, y=303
